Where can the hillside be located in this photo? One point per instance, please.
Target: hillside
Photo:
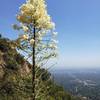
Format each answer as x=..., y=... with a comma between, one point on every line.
x=15, y=78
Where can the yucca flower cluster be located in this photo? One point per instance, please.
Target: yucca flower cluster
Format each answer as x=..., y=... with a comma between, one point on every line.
x=33, y=15
x=34, y=11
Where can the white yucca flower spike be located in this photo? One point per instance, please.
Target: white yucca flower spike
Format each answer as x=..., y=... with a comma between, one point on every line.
x=38, y=38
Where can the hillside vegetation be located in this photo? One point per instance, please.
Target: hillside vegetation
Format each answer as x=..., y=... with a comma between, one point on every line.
x=15, y=78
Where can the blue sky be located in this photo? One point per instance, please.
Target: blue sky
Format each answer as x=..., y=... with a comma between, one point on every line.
x=78, y=25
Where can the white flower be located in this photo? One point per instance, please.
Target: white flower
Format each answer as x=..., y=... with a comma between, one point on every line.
x=25, y=28
x=39, y=38
x=53, y=25
x=43, y=32
x=32, y=41
x=43, y=46
x=25, y=37
x=39, y=34
x=55, y=47
x=55, y=33
x=50, y=45
x=54, y=41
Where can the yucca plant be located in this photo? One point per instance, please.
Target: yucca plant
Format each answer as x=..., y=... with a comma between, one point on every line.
x=38, y=38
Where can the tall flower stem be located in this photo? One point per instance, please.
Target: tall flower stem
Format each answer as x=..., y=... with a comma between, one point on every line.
x=33, y=67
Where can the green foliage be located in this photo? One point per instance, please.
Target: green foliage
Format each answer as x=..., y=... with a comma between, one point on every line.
x=10, y=62
x=19, y=59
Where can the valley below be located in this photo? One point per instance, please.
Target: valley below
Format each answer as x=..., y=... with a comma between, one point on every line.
x=80, y=82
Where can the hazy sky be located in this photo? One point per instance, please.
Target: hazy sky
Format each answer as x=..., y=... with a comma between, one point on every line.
x=78, y=25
